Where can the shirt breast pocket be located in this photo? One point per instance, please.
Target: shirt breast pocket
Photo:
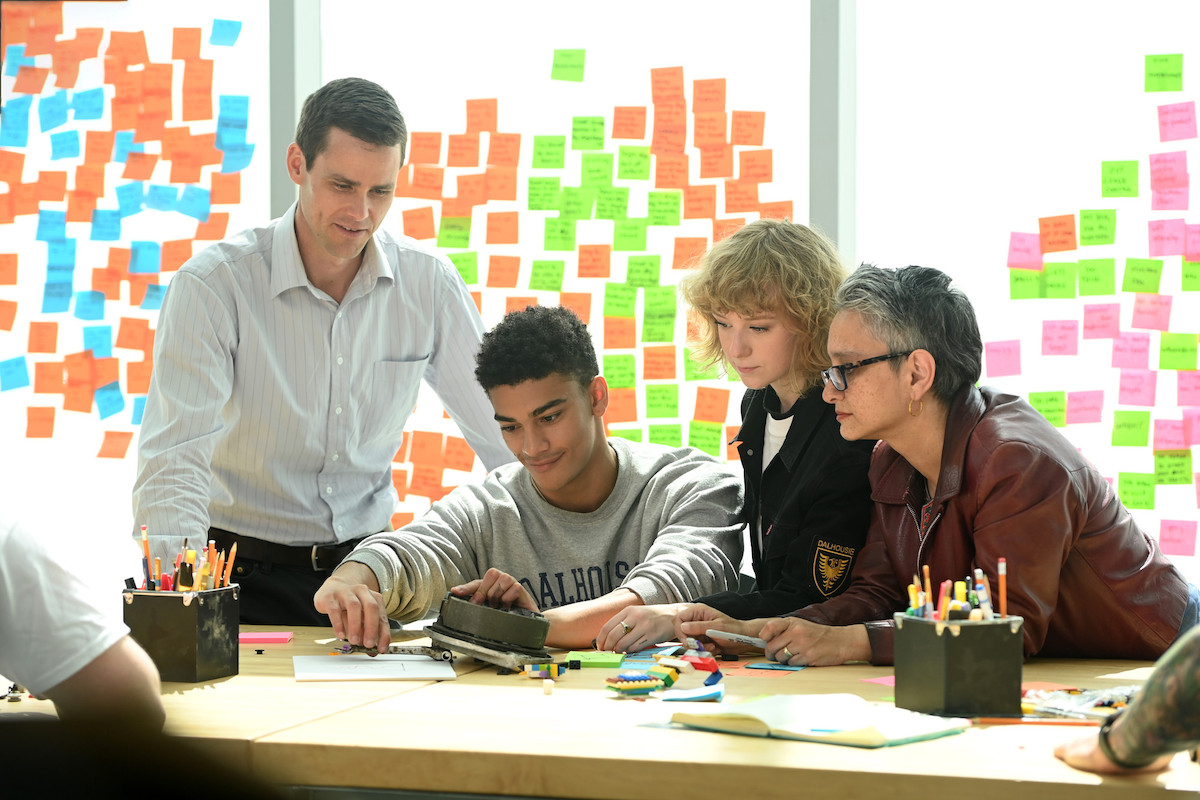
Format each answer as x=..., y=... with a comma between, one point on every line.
x=393, y=393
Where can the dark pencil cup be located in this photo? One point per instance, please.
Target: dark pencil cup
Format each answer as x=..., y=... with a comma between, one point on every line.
x=190, y=636
x=959, y=668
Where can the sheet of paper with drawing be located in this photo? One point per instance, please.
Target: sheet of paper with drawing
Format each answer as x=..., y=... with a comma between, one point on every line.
x=361, y=667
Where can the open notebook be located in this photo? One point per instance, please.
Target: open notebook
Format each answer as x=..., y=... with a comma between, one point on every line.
x=832, y=718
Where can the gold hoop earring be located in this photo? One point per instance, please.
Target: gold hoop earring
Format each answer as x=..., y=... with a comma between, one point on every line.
x=920, y=408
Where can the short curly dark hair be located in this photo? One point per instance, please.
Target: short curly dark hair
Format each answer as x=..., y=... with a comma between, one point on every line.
x=533, y=344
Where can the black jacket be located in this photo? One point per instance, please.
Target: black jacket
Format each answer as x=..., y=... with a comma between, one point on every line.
x=814, y=500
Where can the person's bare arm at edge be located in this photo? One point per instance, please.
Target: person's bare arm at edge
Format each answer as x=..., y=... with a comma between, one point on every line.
x=351, y=598
x=119, y=684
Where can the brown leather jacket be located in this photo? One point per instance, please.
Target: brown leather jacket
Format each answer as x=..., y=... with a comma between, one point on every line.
x=1086, y=579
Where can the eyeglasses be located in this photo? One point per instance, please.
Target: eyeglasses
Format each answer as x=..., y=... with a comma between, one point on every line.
x=837, y=375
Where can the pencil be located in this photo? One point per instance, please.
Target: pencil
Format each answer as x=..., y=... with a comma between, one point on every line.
x=1034, y=721
x=1002, y=574
x=229, y=563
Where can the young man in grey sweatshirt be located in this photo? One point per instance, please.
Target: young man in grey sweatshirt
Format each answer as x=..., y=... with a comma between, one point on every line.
x=581, y=528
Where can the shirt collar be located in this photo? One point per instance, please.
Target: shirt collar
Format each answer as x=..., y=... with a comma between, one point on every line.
x=287, y=268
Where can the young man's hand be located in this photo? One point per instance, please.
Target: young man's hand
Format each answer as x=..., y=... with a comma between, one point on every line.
x=351, y=598
x=496, y=589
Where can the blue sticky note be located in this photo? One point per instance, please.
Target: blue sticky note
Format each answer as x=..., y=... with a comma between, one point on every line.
x=106, y=225
x=52, y=225
x=109, y=399
x=233, y=117
x=195, y=202
x=14, y=374
x=162, y=198
x=236, y=158
x=130, y=197
x=52, y=110
x=146, y=257
x=88, y=104
x=15, y=58
x=225, y=32
x=98, y=339
x=139, y=408
x=14, y=122
x=57, y=297
x=64, y=144
x=773, y=666
x=89, y=306
x=60, y=253
x=154, y=297
x=123, y=145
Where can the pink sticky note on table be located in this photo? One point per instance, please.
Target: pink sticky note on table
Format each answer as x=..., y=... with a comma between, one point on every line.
x=1169, y=199
x=1060, y=337
x=1101, y=320
x=1191, y=250
x=1167, y=237
x=1169, y=170
x=1177, y=537
x=1152, y=311
x=265, y=637
x=1168, y=434
x=1131, y=351
x=1137, y=387
x=1025, y=251
x=1003, y=358
x=1187, y=385
x=1177, y=121
x=1084, y=406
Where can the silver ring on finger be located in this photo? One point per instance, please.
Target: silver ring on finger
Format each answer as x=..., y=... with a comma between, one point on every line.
x=625, y=626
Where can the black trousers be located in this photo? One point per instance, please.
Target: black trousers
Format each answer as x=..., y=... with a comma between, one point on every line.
x=274, y=594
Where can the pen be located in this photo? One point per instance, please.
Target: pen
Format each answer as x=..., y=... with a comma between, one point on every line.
x=146, y=550
x=1033, y=721
x=753, y=641
x=1002, y=574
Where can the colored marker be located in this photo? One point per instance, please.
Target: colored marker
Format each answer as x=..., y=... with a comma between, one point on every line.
x=1002, y=572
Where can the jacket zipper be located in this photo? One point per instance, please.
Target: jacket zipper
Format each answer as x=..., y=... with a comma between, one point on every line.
x=922, y=537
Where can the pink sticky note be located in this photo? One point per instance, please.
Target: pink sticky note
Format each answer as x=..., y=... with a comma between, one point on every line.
x=1137, y=387
x=1084, y=406
x=1167, y=237
x=1177, y=121
x=1169, y=200
x=886, y=680
x=1025, y=251
x=1187, y=384
x=265, y=637
x=1152, y=311
x=1003, y=358
x=1191, y=426
x=1101, y=320
x=1131, y=351
x=1191, y=250
x=1196, y=483
x=1177, y=537
x=1060, y=337
x=1169, y=170
x=1168, y=434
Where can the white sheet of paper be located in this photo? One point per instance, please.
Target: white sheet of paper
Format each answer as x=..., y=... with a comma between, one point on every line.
x=361, y=667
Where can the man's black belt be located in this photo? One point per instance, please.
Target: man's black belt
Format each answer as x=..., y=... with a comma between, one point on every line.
x=320, y=557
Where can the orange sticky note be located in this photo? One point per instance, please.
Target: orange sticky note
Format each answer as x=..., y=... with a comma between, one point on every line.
x=708, y=95
x=52, y=186
x=402, y=518
x=504, y=149
x=89, y=179
x=629, y=122
x=196, y=100
x=622, y=405
x=226, y=189
x=12, y=165
x=48, y=377
x=175, y=254
x=462, y=150
x=43, y=337
x=115, y=445
x=139, y=166
x=8, y=313
x=1057, y=233
x=670, y=171
x=39, y=423
x=481, y=115
x=98, y=147
x=670, y=129
x=578, y=302
x=128, y=47
x=666, y=85
x=726, y=227
x=402, y=453
x=658, y=362
x=716, y=162
x=518, y=303
x=185, y=43
x=137, y=376
x=741, y=196
x=400, y=481
x=780, y=209
x=747, y=128
x=502, y=227
x=459, y=454
x=620, y=333
x=80, y=206
x=712, y=405
x=595, y=260
x=426, y=448
x=708, y=129
x=477, y=298
x=472, y=191
x=503, y=271
x=131, y=333
x=732, y=451
x=214, y=229
x=424, y=147
x=30, y=80
x=8, y=269
x=501, y=183
x=755, y=165
x=700, y=202
x=418, y=223
x=688, y=251
x=426, y=182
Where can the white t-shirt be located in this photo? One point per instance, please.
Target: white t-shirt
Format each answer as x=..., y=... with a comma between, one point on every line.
x=49, y=629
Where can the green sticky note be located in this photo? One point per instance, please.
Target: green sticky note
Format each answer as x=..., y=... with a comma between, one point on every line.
x=1173, y=466
x=1131, y=428
x=620, y=370
x=1052, y=406
x=658, y=314
x=1097, y=276
x=576, y=202
x=1025, y=284
x=455, y=232
x=662, y=400
x=612, y=202
x=667, y=435
x=1118, y=179
x=1136, y=489
x=547, y=276
x=1059, y=279
x=707, y=437
x=619, y=300
x=543, y=194
x=664, y=208
x=632, y=434
x=1142, y=275
x=596, y=169
x=549, y=152
x=1191, y=276
x=633, y=163
x=560, y=234
x=568, y=65
x=587, y=133
x=693, y=372
x=642, y=271
x=603, y=659
x=629, y=234
x=467, y=265
x=1097, y=226
x=1164, y=73
x=1177, y=351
